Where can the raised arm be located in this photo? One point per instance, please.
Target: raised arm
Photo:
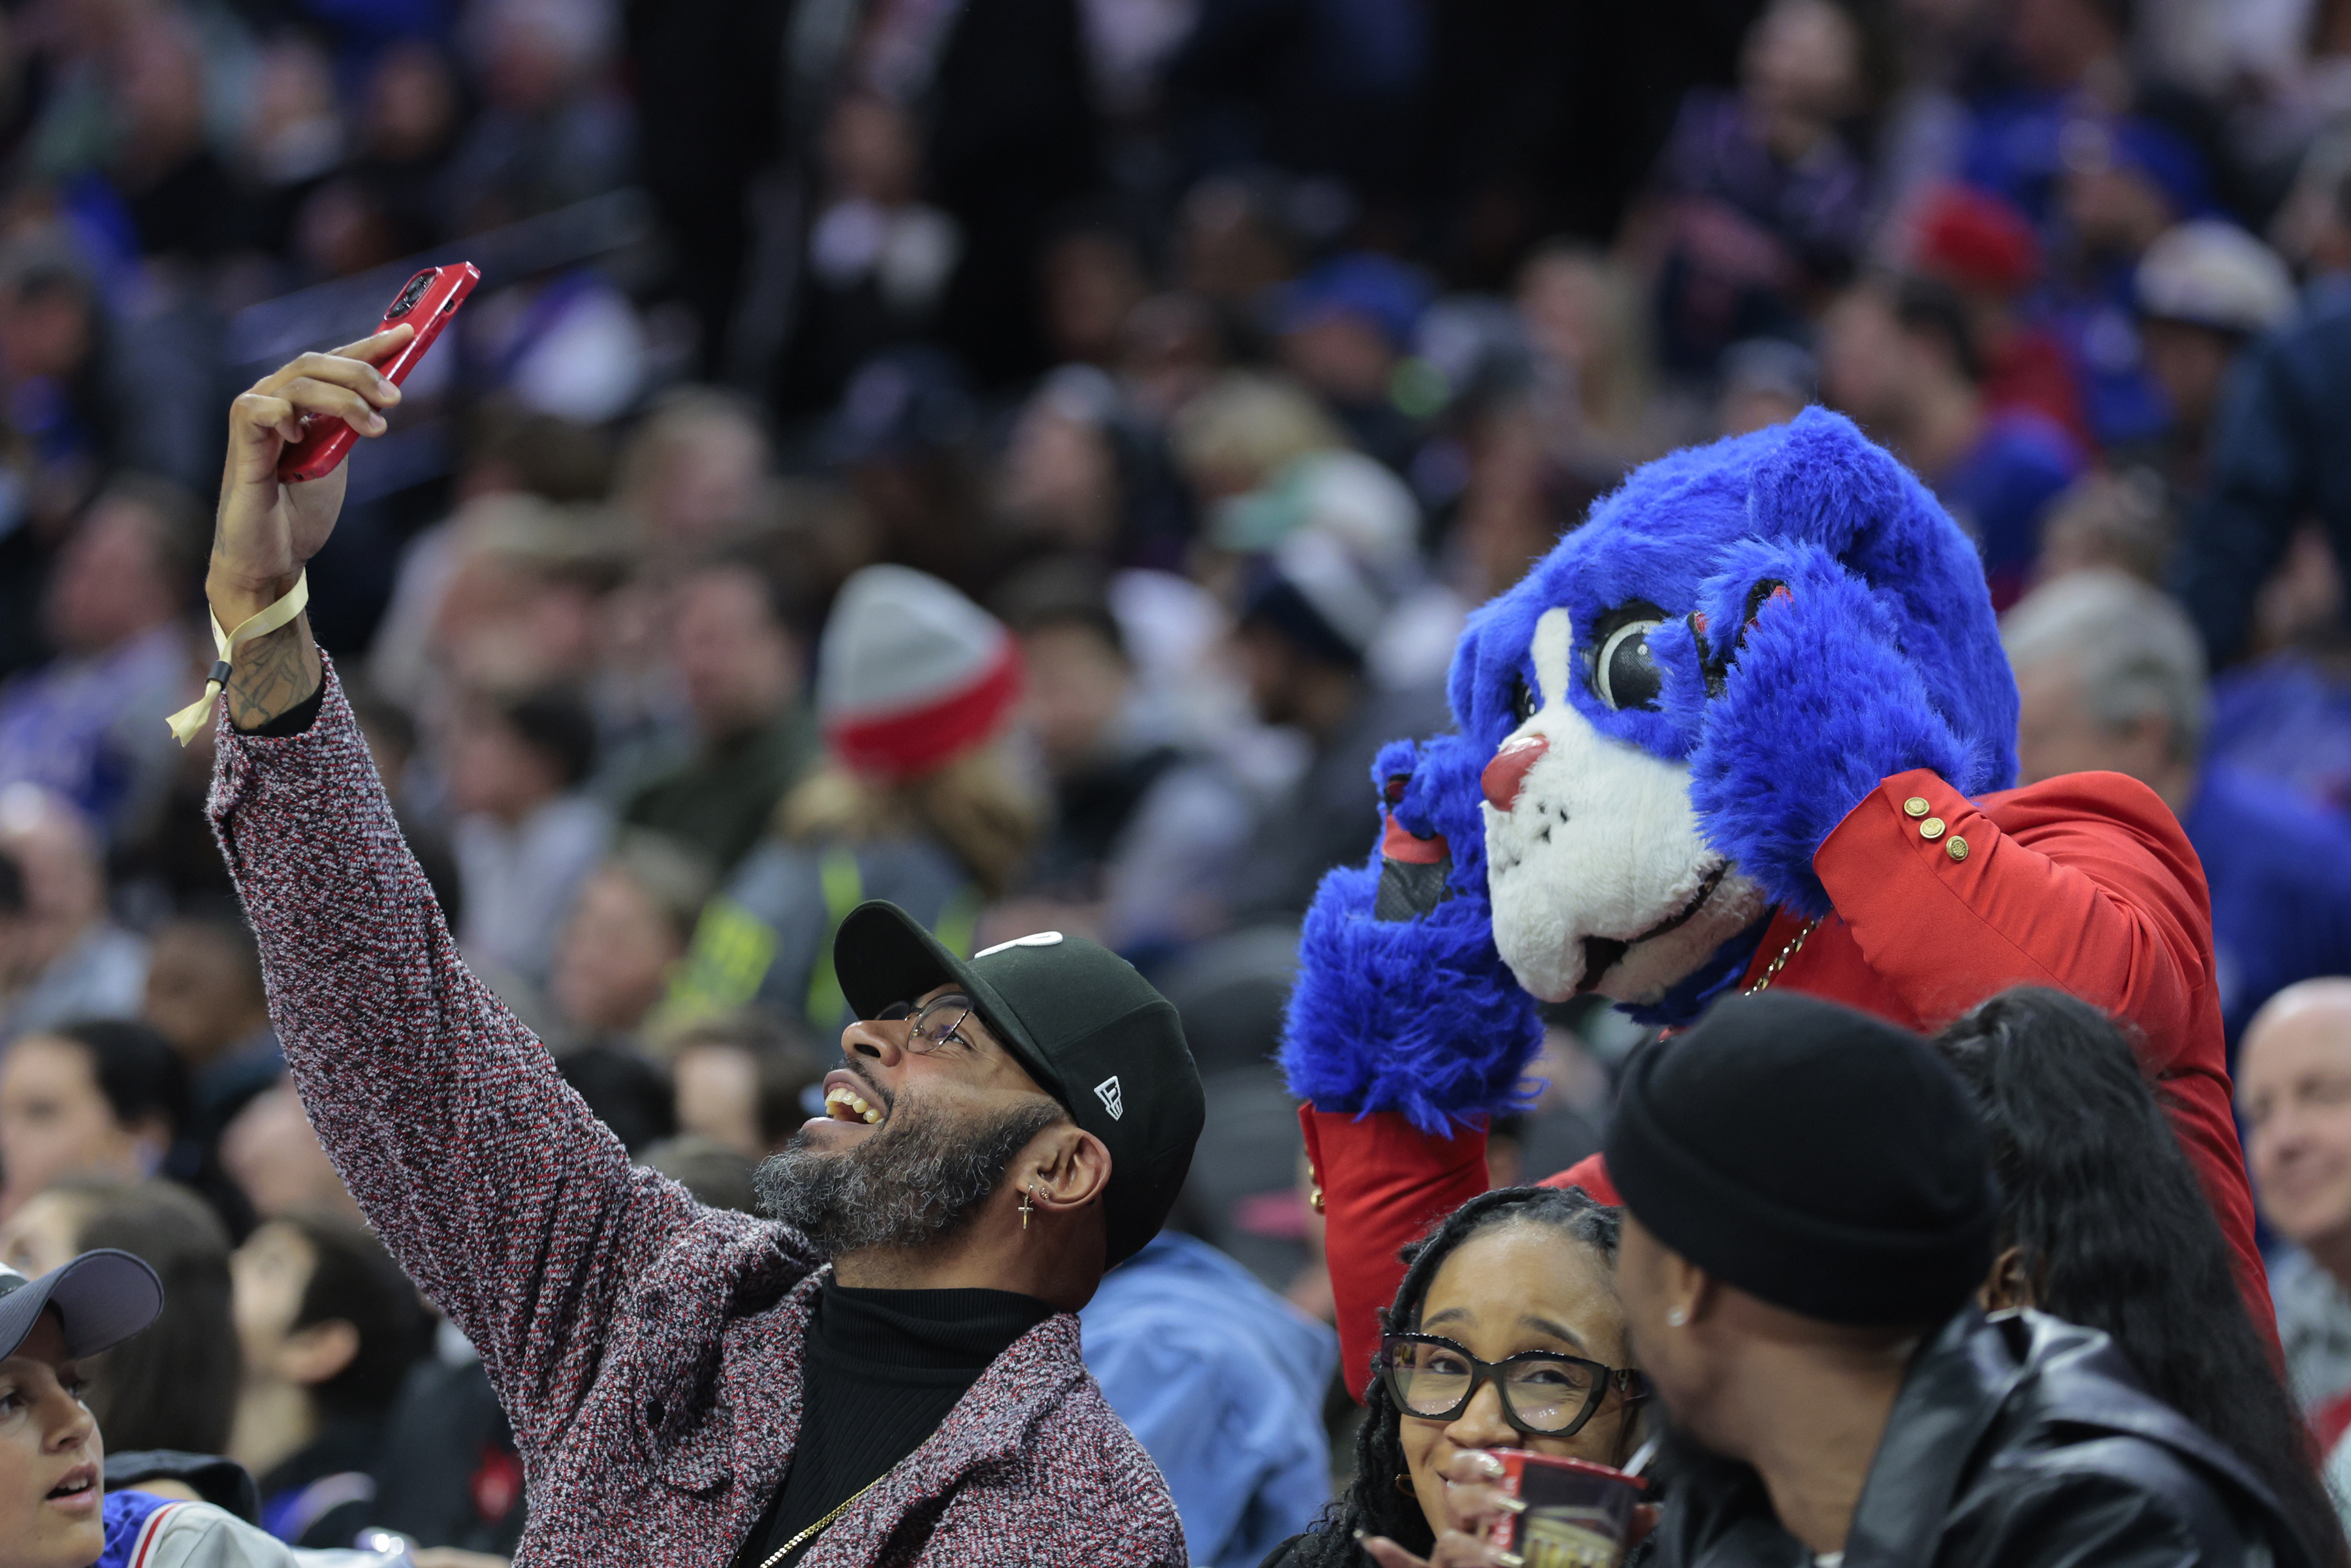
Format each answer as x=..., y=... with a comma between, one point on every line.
x=2085, y=884
x=506, y=1201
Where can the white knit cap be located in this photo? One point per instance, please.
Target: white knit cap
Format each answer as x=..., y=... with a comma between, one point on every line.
x=910, y=673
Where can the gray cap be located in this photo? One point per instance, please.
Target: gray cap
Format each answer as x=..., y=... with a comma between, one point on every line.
x=102, y=1298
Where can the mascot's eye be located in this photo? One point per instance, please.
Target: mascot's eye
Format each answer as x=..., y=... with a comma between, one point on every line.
x=1522, y=701
x=1624, y=673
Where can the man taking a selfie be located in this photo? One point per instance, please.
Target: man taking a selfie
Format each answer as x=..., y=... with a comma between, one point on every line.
x=688, y=1385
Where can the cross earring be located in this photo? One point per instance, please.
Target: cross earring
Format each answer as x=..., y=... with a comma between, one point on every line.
x=1026, y=1207
x=1676, y=1317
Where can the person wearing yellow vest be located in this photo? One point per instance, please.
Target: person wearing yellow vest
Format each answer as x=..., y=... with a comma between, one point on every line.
x=914, y=802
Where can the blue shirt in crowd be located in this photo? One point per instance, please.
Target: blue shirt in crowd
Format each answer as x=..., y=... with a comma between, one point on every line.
x=2280, y=871
x=2000, y=491
x=1222, y=1380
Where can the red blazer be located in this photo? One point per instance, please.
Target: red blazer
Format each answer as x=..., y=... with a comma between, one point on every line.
x=2085, y=884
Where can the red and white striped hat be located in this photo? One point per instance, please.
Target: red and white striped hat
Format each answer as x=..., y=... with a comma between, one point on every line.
x=910, y=674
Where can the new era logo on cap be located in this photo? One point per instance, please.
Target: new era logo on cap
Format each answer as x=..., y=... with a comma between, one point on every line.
x=1112, y=1100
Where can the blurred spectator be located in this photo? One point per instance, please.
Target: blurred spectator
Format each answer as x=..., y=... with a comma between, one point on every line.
x=1310, y=619
x=695, y=467
x=904, y=436
x=96, y=1097
x=1986, y=252
x=1758, y=198
x=879, y=256
x=2293, y=1094
x=1594, y=366
x=1765, y=382
x=915, y=802
x=741, y=1078
x=527, y=834
x=2125, y=182
x=174, y=1385
x=173, y=188
x=1342, y=329
x=1222, y=1380
x=84, y=724
x=293, y=138
x=448, y=1473
x=327, y=1326
x=59, y=425
x=738, y=658
x=2276, y=461
x=1362, y=506
x=270, y=1152
x=1243, y=428
x=2206, y=288
x=716, y=1174
x=1082, y=473
x=1145, y=835
x=204, y=995
x=407, y=130
x=552, y=129
x=1093, y=277
x=2118, y=521
x=627, y=930
x=2064, y=56
x=60, y=957
x=1900, y=359
x=2110, y=677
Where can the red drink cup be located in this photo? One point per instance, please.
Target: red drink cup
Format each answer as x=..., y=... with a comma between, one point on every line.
x=1578, y=1514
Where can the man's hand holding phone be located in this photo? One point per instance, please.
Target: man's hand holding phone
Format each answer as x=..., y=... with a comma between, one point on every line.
x=268, y=528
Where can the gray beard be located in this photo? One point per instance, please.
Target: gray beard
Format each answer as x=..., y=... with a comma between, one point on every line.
x=918, y=1180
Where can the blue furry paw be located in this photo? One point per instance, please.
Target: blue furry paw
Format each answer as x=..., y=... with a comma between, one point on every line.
x=1403, y=1002
x=1816, y=703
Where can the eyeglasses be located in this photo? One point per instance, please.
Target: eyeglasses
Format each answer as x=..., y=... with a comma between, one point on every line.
x=1545, y=1393
x=937, y=1021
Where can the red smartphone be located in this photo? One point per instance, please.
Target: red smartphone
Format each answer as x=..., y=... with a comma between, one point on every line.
x=427, y=301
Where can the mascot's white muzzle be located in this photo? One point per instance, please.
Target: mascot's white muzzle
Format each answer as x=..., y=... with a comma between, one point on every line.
x=1600, y=876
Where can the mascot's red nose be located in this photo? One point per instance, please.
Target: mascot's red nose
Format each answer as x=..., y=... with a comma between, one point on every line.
x=1508, y=772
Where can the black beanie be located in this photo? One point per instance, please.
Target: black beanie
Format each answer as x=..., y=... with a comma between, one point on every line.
x=1815, y=1157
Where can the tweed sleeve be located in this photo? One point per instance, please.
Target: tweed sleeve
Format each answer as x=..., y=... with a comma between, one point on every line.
x=507, y=1202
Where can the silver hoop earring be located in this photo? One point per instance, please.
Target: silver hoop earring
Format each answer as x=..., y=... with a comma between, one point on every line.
x=1676, y=1317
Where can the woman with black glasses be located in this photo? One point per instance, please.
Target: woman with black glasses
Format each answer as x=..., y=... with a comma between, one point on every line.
x=1506, y=1333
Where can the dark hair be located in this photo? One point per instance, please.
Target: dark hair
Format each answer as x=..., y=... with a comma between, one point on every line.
x=781, y=1052
x=557, y=725
x=1374, y=1504
x=1931, y=305
x=2116, y=1232
x=135, y=1068
x=12, y=885
x=174, y=1385
x=353, y=1280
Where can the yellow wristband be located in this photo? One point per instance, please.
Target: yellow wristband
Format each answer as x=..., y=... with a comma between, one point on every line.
x=199, y=713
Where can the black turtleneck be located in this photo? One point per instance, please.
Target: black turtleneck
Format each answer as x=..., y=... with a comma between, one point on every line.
x=883, y=1370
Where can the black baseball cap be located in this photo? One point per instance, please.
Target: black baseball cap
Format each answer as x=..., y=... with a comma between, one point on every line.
x=102, y=1298
x=1089, y=1029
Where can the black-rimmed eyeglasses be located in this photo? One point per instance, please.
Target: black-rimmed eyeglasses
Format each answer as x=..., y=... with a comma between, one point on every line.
x=1545, y=1393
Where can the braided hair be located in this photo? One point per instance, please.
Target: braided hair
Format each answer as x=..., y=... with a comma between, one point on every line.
x=1376, y=1504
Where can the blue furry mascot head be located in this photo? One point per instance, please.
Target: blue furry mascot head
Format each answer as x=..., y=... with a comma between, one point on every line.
x=1657, y=728
x=1637, y=814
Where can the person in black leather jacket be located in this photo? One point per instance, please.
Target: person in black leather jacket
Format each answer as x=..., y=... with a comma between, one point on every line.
x=1809, y=1214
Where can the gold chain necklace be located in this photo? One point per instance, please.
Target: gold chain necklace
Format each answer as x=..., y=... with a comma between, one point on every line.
x=1795, y=945
x=801, y=1539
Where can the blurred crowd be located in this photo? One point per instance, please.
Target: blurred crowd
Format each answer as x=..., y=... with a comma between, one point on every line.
x=1022, y=458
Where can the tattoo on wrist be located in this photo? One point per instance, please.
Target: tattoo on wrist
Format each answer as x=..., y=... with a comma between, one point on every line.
x=272, y=675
